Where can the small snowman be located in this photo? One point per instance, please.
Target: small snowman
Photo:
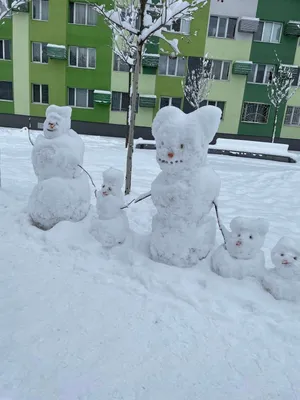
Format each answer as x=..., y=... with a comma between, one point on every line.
x=111, y=227
x=241, y=255
x=283, y=281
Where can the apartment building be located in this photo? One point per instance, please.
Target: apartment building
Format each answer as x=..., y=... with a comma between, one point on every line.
x=60, y=52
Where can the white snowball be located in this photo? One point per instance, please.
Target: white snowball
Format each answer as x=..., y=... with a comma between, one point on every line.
x=111, y=227
x=183, y=193
x=56, y=199
x=242, y=256
x=283, y=281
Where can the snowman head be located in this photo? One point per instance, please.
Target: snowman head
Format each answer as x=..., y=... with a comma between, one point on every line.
x=58, y=121
x=247, y=236
x=182, y=139
x=286, y=254
x=112, y=183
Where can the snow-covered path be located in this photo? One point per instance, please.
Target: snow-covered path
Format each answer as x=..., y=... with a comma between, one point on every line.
x=77, y=322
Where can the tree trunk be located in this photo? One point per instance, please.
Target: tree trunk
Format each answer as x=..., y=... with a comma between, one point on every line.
x=132, y=111
x=129, y=106
x=275, y=124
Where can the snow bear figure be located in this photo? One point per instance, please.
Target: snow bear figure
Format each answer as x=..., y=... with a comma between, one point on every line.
x=184, y=191
x=112, y=227
x=63, y=191
x=241, y=255
x=283, y=281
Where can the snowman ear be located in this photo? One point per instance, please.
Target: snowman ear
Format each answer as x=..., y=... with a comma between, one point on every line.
x=236, y=224
x=262, y=226
x=209, y=118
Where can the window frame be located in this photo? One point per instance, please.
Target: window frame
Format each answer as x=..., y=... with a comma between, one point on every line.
x=170, y=99
x=40, y=13
x=292, y=116
x=218, y=25
x=41, y=53
x=86, y=14
x=75, y=97
x=41, y=93
x=222, y=69
x=215, y=104
x=182, y=20
x=121, y=101
x=257, y=104
x=118, y=62
x=272, y=31
x=176, y=67
x=4, y=50
x=12, y=91
x=266, y=72
x=87, y=57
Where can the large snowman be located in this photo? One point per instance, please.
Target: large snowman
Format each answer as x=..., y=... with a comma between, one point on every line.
x=184, y=192
x=62, y=192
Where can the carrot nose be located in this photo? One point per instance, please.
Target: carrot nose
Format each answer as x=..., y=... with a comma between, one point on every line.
x=170, y=155
x=51, y=126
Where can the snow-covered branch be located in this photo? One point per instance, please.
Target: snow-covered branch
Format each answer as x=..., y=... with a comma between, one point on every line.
x=6, y=8
x=198, y=83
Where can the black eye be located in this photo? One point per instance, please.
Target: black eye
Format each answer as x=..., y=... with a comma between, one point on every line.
x=250, y=237
x=182, y=146
x=162, y=143
x=103, y=186
x=295, y=258
x=282, y=254
x=109, y=189
x=239, y=235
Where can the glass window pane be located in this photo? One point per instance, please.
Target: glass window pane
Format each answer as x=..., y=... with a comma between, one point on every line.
x=81, y=97
x=92, y=58
x=288, y=115
x=71, y=97
x=91, y=99
x=221, y=105
x=181, y=66
x=296, y=116
x=276, y=33
x=1, y=49
x=36, y=9
x=267, y=31
x=262, y=113
x=216, y=70
x=125, y=102
x=185, y=26
x=45, y=95
x=203, y=103
x=162, y=67
x=251, y=73
x=44, y=53
x=225, y=73
x=7, y=44
x=115, y=101
x=176, y=102
x=222, y=27
x=172, y=66
x=36, y=93
x=6, y=90
x=211, y=103
x=176, y=25
x=73, y=52
x=82, y=57
x=80, y=14
x=260, y=73
x=258, y=34
x=116, y=62
x=268, y=74
x=36, y=53
x=296, y=75
x=71, y=13
x=164, y=102
x=92, y=16
x=212, y=29
x=45, y=5
x=231, y=28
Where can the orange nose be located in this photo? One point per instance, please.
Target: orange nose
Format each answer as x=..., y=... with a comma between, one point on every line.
x=51, y=126
x=170, y=155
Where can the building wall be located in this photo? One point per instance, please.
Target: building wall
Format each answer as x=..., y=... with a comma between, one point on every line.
x=6, y=66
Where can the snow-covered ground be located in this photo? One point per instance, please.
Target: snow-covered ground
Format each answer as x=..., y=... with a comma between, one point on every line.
x=78, y=322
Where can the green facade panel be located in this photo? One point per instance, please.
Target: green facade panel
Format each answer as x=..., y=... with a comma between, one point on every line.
x=241, y=67
x=292, y=28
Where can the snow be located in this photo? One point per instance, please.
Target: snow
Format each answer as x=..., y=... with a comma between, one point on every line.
x=79, y=322
x=251, y=18
x=102, y=91
x=148, y=96
x=244, y=62
x=184, y=192
x=58, y=46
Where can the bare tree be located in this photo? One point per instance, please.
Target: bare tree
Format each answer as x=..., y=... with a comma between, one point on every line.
x=280, y=89
x=198, y=83
x=140, y=20
x=6, y=7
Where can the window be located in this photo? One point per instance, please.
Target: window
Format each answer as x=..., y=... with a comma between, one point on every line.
x=40, y=94
x=81, y=98
x=292, y=116
x=119, y=64
x=82, y=14
x=256, y=113
x=5, y=49
x=172, y=66
x=40, y=10
x=220, y=70
x=269, y=32
x=180, y=25
x=120, y=102
x=39, y=53
x=170, y=101
x=220, y=104
x=261, y=73
x=6, y=91
x=82, y=57
x=222, y=27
